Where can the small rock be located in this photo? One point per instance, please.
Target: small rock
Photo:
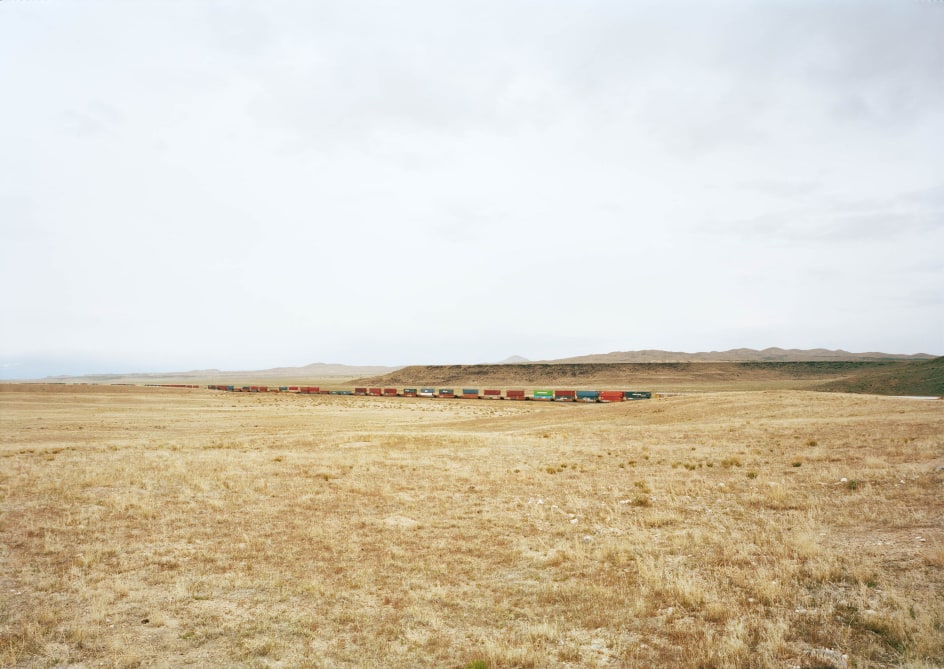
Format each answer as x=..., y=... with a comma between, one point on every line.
x=824, y=657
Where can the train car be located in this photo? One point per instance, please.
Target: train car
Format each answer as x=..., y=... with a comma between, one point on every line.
x=543, y=395
x=375, y=392
x=611, y=396
x=338, y=392
x=389, y=392
x=409, y=392
x=360, y=391
x=447, y=392
x=427, y=392
x=491, y=394
x=588, y=395
x=293, y=389
x=515, y=395
x=637, y=395
x=565, y=395
x=470, y=393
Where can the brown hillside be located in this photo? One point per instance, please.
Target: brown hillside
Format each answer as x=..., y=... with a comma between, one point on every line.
x=651, y=376
x=925, y=378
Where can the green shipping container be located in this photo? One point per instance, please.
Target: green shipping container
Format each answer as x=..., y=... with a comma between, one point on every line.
x=544, y=393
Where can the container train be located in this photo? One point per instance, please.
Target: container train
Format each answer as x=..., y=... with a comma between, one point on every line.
x=453, y=393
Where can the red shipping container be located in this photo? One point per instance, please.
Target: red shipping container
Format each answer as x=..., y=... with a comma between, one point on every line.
x=492, y=394
x=611, y=396
x=360, y=391
x=514, y=394
x=565, y=395
x=390, y=392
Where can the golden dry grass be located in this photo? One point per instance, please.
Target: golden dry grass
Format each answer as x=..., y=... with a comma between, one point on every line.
x=156, y=527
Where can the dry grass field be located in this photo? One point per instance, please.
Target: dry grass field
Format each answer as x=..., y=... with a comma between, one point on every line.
x=166, y=528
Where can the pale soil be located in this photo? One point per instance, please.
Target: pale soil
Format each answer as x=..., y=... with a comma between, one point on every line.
x=157, y=527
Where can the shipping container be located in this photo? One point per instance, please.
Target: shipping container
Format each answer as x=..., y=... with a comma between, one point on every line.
x=375, y=392
x=341, y=392
x=491, y=394
x=409, y=392
x=515, y=394
x=447, y=392
x=543, y=395
x=390, y=392
x=588, y=395
x=565, y=395
x=470, y=393
x=293, y=389
x=611, y=396
x=360, y=391
x=283, y=389
x=427, y=392
x=637, y=395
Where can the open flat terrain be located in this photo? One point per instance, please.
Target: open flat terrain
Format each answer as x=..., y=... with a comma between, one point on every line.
x=166, y=528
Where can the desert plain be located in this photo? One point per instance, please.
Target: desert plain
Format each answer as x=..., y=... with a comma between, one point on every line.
x=159, y=527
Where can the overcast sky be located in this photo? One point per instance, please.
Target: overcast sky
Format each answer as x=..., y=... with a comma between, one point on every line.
x=244, y=185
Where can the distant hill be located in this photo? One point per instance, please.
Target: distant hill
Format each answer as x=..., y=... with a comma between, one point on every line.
x=514, y=360
x=739, y=355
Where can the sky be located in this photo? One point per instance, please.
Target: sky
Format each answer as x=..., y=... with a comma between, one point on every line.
x=244, y=185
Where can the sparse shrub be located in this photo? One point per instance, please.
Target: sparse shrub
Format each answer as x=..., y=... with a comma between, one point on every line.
x=852, y=484
x=477, y=664
x=797, y=464
x=752, y=475
x=812, y=442
x=642, y=501
x=731, y=462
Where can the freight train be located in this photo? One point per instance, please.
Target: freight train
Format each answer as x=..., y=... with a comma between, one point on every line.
x=453, y=393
